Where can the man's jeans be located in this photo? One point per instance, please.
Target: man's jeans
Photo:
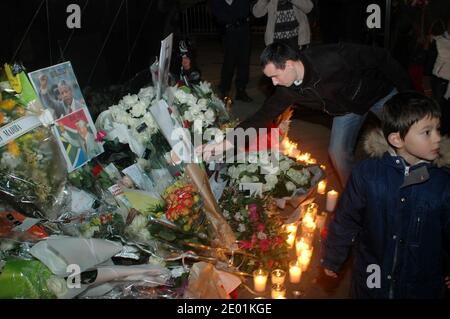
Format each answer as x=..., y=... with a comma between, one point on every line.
x=344, y=133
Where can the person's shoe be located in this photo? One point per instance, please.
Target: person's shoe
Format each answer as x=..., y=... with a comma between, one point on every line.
x=241, y=95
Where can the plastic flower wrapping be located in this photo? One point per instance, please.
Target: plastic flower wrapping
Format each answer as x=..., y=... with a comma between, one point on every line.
x=32, y=172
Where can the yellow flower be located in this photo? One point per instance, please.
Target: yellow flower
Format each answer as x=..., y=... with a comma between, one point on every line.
x=13, y=149
x=7, y=105
x=20, y=111
x=39, y=134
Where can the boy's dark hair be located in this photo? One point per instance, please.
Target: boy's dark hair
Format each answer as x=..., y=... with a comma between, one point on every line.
x=278, y=53
x=404, y=109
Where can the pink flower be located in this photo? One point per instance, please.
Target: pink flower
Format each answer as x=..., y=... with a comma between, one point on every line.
x=244, y=244
x=264, y=245
x=253, y=213
x=260, y=228
x=100, y=136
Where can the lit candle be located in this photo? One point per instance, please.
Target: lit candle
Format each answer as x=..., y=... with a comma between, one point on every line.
x=295, y=153
x=312, y=209
x=332, y=197
x=295, y=272
x=301, y=245
x=278, y=276
x=308, y=230
x=322, y=187
x=291, y=228
x=305, y=259
x=290, y=240
x=260, y=279
x=278, y=291
x=308, y=219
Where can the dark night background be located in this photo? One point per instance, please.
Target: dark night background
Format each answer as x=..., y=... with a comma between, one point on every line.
x=136, y=27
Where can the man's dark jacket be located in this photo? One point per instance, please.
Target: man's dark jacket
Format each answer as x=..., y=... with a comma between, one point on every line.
x=339, y=78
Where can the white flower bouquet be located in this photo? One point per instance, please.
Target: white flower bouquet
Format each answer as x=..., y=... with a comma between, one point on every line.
x=130, y=120
x=283, y=178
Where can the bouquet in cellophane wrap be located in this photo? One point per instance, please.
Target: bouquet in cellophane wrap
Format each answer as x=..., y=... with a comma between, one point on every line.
x=32, y=171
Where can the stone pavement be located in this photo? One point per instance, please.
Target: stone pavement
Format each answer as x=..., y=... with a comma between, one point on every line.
x=311, y=132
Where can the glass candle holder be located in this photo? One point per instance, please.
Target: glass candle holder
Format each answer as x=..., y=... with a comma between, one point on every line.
x=300, y=245
x=278, y=276
x=322, y=187
x=278, y=291
x=295, y=272
x=312, y=209
x=305, y=259
x=260, y=279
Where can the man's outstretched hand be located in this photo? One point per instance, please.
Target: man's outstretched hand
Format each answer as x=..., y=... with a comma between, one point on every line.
x=213, y=151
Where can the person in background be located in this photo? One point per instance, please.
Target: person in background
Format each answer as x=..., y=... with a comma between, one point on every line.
x=437, y=74
x=287, y=21
x=233, y=17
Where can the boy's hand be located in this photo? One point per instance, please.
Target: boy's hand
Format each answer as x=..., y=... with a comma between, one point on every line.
x=330, y=273
x=447, y=282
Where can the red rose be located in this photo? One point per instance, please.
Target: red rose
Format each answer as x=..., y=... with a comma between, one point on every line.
x=324, y=233
x=96, y=170
x=186, y=124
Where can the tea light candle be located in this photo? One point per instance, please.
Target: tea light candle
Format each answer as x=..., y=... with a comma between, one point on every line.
x=308, y=219
x=260, y=279
x=301, y=245
x=278, y=276
x=308, y=227
x=321, y=187
x=278, y=291
x=305, y=259
x=332, y=197
x=295, y=272
x=312, y=209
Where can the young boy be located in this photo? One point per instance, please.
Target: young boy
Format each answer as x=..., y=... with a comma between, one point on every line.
x=395, y=209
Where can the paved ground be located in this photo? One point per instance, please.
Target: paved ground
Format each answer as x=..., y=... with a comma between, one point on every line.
x=311, y=132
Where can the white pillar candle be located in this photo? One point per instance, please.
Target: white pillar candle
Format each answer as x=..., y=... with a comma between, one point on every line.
x=322, y=187
x=295, y=272
x=332, y=197
x=278, y=276
x=260, y=280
